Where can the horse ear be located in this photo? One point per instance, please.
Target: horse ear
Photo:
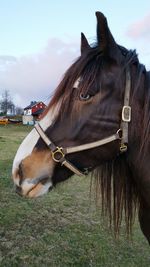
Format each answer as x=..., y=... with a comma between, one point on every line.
x=105, y=39
x=84, y=43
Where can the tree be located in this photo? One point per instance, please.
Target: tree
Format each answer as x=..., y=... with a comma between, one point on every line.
x=6, y=103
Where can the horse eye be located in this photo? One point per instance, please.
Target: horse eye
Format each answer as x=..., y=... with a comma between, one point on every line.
x=83, y=97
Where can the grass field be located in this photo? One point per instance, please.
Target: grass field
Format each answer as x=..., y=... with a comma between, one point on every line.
x=61, y=229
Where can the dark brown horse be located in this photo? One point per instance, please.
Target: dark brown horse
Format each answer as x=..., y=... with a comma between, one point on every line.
x=98, y=121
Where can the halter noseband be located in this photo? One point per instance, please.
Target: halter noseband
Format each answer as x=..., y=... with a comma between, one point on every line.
x=59, y=153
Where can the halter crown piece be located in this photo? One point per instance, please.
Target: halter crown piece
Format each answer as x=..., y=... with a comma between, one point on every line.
x=58, y=153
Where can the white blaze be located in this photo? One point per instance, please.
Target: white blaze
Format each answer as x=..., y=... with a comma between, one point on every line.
x=31, y=139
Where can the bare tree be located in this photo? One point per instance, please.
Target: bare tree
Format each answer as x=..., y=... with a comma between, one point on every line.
x=6, y=103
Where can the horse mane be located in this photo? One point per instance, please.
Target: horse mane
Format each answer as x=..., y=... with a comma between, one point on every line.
x=115, y=189
x=145, y=116
x=113, y=180
x=88, y=66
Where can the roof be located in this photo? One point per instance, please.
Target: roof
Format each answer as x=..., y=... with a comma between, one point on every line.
x=32, y=104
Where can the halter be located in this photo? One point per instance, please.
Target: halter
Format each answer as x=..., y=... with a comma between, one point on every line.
x=58, y=153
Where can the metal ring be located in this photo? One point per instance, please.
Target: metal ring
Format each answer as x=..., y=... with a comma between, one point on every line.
x=58, y=154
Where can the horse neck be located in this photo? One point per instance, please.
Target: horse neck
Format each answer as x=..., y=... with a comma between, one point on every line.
x=139, y=128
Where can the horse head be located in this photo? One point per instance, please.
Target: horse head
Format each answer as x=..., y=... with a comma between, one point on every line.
x=86, y=108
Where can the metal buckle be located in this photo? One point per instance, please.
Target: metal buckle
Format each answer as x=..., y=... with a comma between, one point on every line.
x=123, y=147
x=126, y=113
x=58, y=154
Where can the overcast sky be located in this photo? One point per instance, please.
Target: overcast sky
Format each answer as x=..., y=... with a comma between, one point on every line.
x=41, y=38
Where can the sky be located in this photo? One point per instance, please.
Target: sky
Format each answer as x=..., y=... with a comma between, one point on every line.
x=40, y=39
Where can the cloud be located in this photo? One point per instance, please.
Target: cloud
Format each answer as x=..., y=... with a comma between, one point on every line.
x=34, y=77
x=140, y=30
x=7, y=59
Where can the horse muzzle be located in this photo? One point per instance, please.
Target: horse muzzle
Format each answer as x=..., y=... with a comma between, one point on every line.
x=34, y=188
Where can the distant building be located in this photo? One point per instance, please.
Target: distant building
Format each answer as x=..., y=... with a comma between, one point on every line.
x=35, y=108
x=33, y=112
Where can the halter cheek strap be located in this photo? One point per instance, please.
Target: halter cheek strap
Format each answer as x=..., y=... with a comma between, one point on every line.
x=126, y=113
x=59, y=153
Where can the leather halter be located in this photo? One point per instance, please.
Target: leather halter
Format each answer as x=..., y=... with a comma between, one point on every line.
x=59, y=153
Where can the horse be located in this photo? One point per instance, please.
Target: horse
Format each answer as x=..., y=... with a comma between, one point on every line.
x=97, y=122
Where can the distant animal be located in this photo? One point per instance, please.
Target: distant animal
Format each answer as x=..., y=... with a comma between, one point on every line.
x=97, y=121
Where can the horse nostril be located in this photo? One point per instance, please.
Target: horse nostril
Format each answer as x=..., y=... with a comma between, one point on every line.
x=50, y=188
x=18, y=189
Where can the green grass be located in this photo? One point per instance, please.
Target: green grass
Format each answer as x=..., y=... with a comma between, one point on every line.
x=61, y=229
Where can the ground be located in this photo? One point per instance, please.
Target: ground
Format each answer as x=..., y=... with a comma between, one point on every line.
x=61, y=229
